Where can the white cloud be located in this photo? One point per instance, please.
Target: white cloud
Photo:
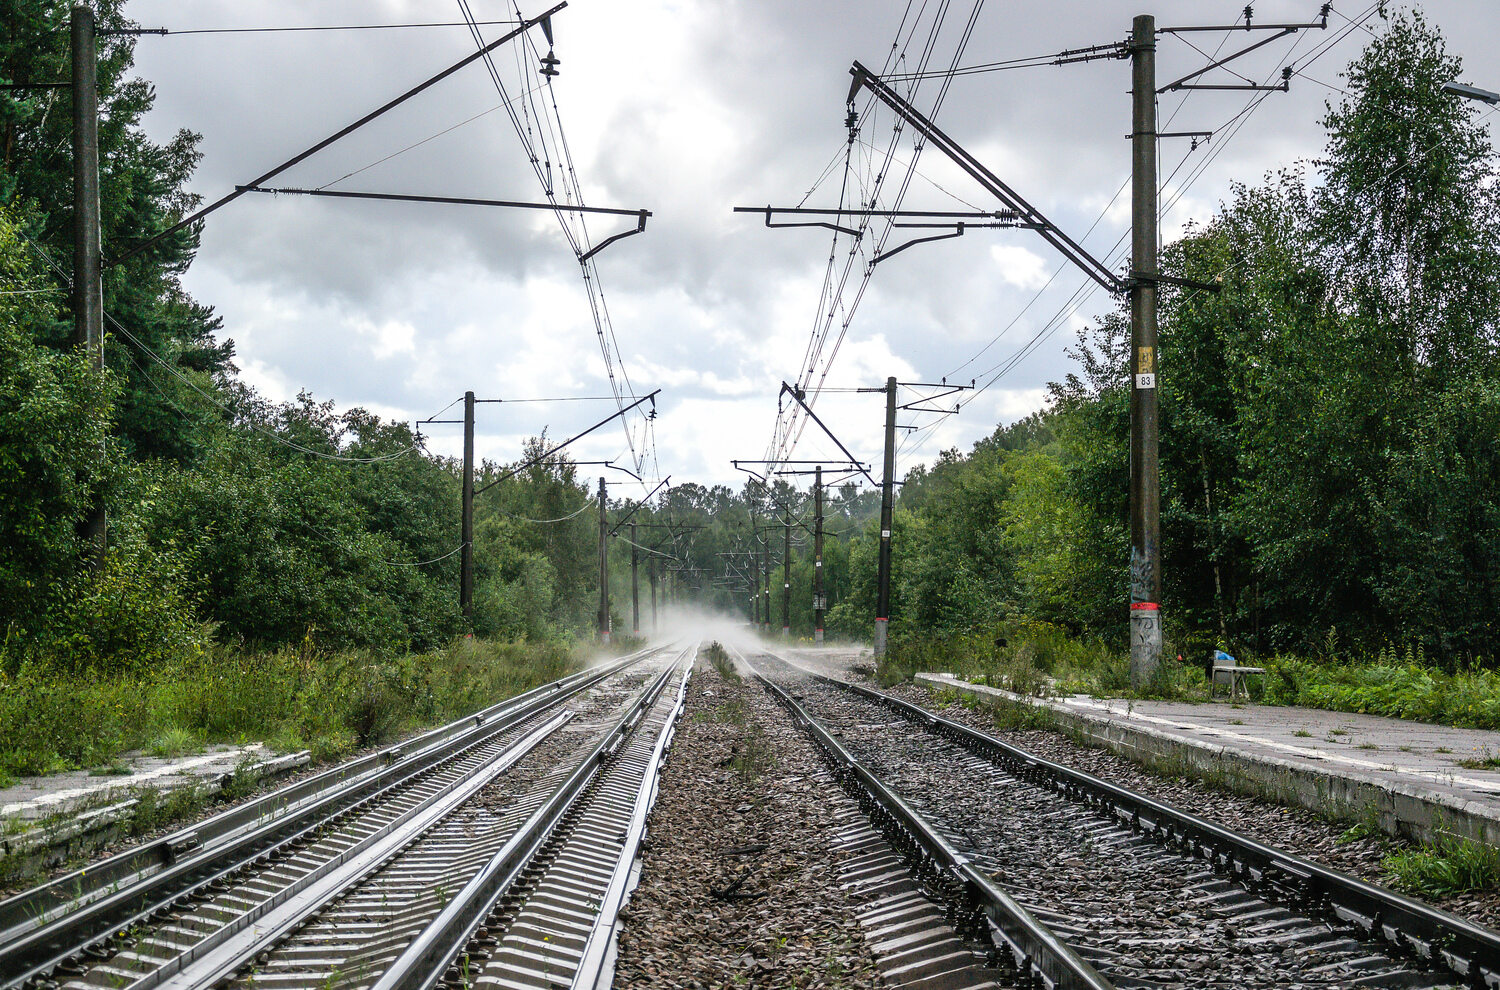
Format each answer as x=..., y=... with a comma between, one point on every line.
x=686, y=109
x=1019, y=267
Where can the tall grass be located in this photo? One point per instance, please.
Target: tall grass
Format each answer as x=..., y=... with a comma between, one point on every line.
x=1036, y=659
x=1390, y=684
x=290, y=698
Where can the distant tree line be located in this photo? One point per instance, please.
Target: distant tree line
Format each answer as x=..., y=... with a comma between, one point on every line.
x=1329, y=426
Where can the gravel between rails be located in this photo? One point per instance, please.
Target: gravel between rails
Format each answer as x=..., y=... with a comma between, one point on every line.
x=741, y=777
x=1296, y=830
x=1137, y=912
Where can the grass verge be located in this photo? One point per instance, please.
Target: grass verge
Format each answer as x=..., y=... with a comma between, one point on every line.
x=291, y=699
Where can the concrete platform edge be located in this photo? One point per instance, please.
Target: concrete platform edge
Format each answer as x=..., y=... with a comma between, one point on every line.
x=1398, y=808
x=93, y=827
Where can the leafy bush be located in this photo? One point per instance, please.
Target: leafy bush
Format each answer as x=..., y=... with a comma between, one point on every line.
x=136, y=613
x=1397, y=687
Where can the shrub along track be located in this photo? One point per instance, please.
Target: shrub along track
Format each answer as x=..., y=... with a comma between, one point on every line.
x=1144, y=912
x=414, y=825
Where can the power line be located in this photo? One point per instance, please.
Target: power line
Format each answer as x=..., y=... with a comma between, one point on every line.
x=174, y=32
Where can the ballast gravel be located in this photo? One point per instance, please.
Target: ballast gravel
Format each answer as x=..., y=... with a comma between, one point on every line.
x=1140, y=914
x=739, y=882
x=1296, y=830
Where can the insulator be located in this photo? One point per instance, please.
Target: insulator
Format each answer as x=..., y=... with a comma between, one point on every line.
x=550, y=64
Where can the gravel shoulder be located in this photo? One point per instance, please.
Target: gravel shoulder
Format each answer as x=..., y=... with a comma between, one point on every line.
x=739, y=881
x=1293, y=829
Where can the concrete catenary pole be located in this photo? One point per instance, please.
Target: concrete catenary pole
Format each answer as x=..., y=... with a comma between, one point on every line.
x=786, y=579
x=603, y=562
x=635, y=587
x=1145, y=478
x=466, y=554
x=651, y=579
x=88, y=289
x=755, y=576
x=887, y=489
x=818, y=602
x=765, y=578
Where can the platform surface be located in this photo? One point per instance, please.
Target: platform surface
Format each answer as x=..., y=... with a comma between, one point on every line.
x=1460, y=766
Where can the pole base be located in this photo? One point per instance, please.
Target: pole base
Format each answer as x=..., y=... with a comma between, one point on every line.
x=881, y=629
x=817, y=635
x=1145, y=642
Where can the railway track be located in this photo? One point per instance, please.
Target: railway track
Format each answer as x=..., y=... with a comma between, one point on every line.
x=396, y=870
x=1084, y=884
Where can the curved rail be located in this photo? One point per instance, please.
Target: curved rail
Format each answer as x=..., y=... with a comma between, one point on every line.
x=42, y=929
x=1460, y=946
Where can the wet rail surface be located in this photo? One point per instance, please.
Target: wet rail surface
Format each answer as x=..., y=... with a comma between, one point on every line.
x=343, y=901
x=1141, y=912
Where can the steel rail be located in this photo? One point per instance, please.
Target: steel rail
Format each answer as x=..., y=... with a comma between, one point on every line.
x=595, y=970
x=1036, y=951
x=230, y=948
x=1464, y=948
x=428, y=957
x=41, y=929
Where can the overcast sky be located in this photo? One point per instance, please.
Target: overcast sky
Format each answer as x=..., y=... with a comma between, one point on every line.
x=688, y=109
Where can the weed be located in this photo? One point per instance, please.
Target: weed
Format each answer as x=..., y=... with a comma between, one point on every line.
x=176, y=741
x=154, y=808
x=1367, y=827
x=113, y=769
x=1302, y=734
x=1450, y=866
x=1236, y=721
x=719, y=657
x=1338, y=732
x=1367, y=745
x=1480, y=763
x=1442, y=749
x=1396, y=685
x=753, y=756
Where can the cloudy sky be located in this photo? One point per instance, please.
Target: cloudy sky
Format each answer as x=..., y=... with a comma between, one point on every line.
x=689, y=109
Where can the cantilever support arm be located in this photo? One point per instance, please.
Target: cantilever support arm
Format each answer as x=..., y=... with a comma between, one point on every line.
x=852, y=459
x=1030, y=215
x=239, y=191
x=639, y=227
x=636, y=508
x=959, y=232
x=577, y=436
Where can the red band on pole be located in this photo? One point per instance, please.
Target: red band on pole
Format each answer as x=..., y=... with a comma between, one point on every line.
x=1151, y=606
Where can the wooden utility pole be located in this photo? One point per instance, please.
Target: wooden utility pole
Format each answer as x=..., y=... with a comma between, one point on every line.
x=818, y=602
x=88, y=289
x=1145, y=476
x=887, y=499
x=786, y=579
x=635, y=587
x=603, y=563
x=466, y=553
